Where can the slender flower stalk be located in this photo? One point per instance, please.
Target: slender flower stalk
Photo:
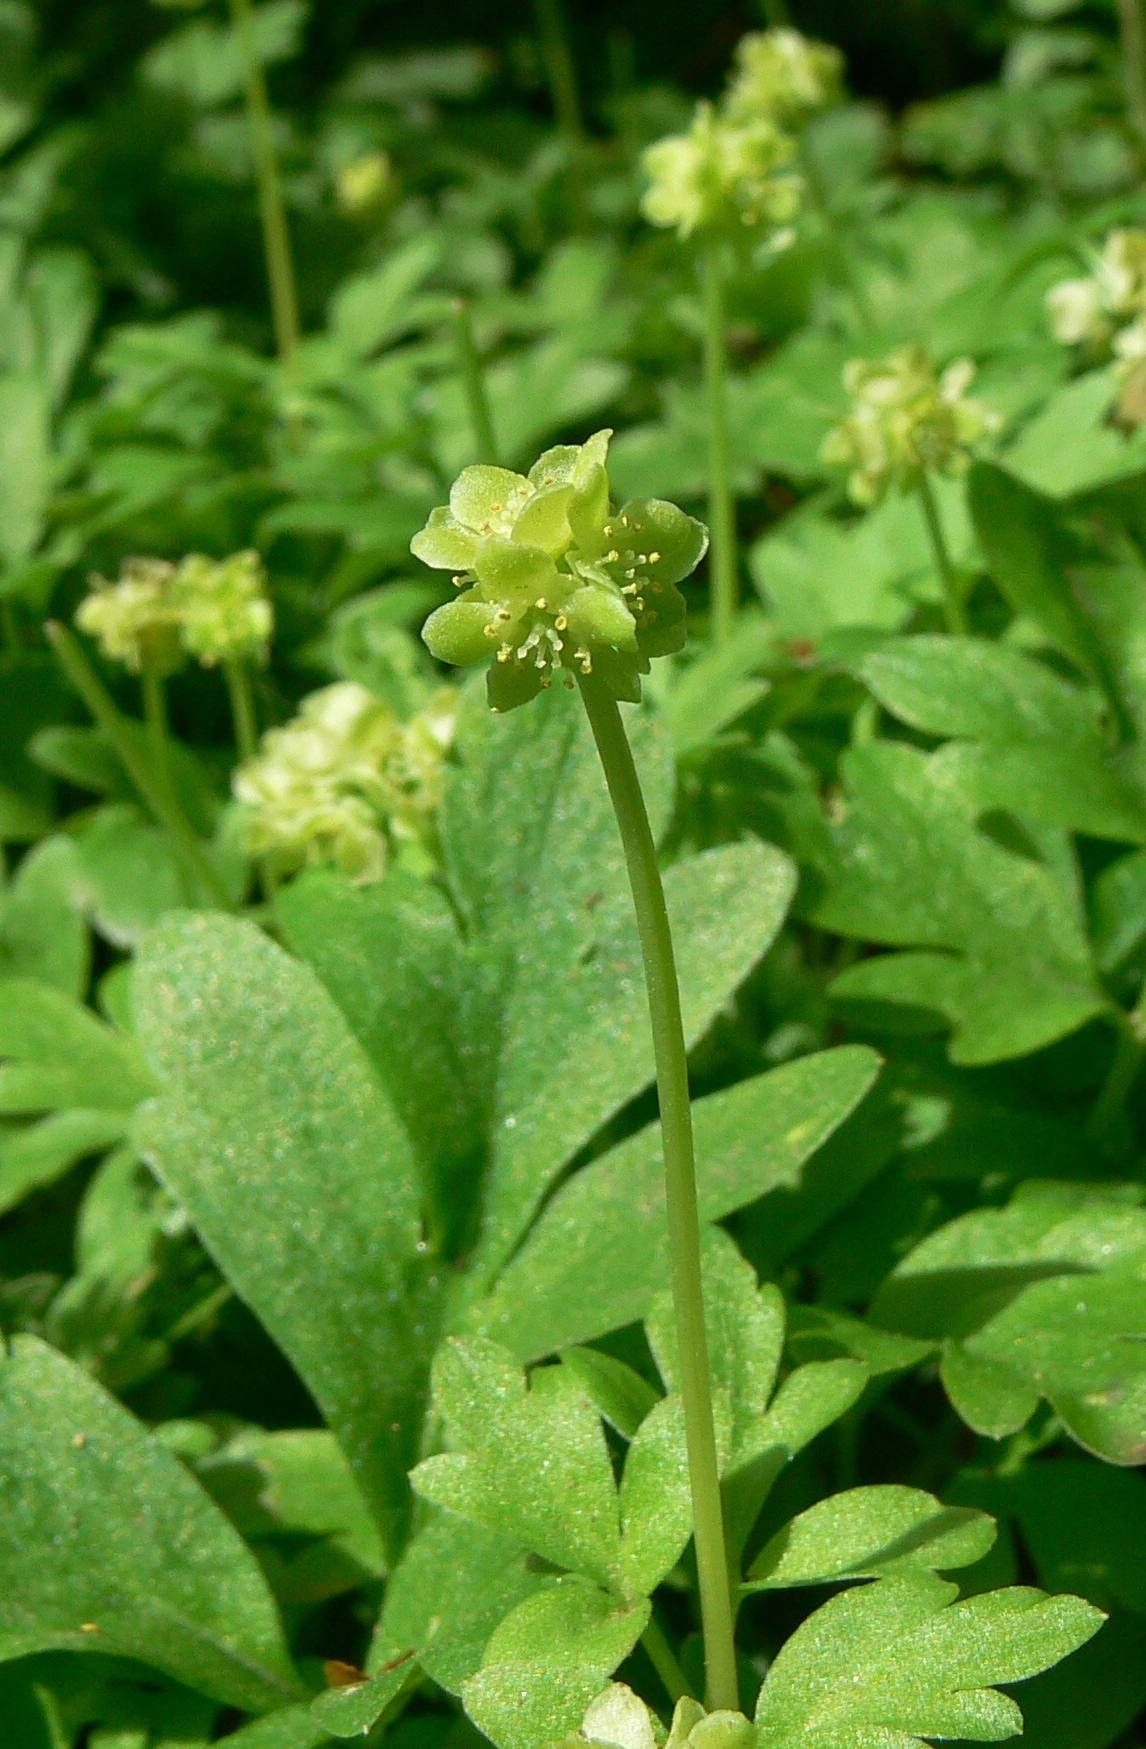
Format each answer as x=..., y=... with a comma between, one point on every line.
x=242, y=699
x=473, y=384
x=721, y=504
x=1133, y=28
x=680, y=1185
x=561, y=77
x=158, y=798
x=153, y=687
x=272, y=206
x=949, y=577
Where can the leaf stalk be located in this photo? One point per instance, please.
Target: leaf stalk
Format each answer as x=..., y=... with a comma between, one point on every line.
x=268, y=182
x=952, y=595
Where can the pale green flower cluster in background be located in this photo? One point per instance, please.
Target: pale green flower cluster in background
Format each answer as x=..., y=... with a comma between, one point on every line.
x=619, y=1719
x=364, y=184
x=1105, y=312
x=906, y=420
x=345, y=781
x=554, y=578
x=216, y=610
x=784, y=76
x=732, y=169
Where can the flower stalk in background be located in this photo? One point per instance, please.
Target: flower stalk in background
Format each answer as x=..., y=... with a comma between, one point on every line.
x=554, y=578
x=906, y=422
x=345, y=782
x=731, y=176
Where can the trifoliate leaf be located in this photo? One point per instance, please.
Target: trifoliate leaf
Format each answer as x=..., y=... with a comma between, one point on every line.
x=890, y=1663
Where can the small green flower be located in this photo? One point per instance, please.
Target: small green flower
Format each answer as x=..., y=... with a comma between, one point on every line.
x=619, y=1719
x=553, y=578
x=1090, y=311
x=783, y=76
x=136, y=620
x=905, y=420
x=345, y=779
x=721, y=174
x=224, y=610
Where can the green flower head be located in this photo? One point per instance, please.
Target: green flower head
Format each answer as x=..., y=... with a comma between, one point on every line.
x=136, y=620
x=905, y=419
x=784, y=77
x=225, y=611
x=729, y=174
x=553, y=578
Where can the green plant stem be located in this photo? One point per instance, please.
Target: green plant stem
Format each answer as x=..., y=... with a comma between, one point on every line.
x=1133, y=27
x=664, y=1660
x=272, y=207
x=1125, y=1066
x=721, y=507
x=107, y=717
x=680, y=1186
x=155, y=721
x=952, y=600
x=561, y=77
x=473, y=383
x=243, y=717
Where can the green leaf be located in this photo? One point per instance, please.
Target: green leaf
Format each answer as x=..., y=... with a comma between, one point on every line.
x=1072, y=446
x=57, y=1053
x=1009, y=964
x=109, y=1544
x=579, y=1274
x=622, y=1397
x=203, y=61
x=274, y=1135
x=127, y=874
x=547, y=1661
x=353, y=1710
x=530, y=1464
x=869, y=1533
x=1028, y=741
x=1042, y=1298
x=890, y=1663
x=655, y=1499
x=42, y=931
x=454, y=1584
x=25, y=465
x=41, y=1152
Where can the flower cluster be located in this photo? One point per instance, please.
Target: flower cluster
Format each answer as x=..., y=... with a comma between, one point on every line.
x=216, y=610
x=721, y=173
x=906, y=419
x=1105, y=313
x=343, y=780
x=554, y=578
x=732, y=169
x=784, y=76
x=619, y=1719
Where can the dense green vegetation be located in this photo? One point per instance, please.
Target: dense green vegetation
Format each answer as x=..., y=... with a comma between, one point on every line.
x=790, y=390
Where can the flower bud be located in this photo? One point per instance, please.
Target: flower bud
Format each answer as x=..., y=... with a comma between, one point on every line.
x=224, y=610
x=343, y=780
x=784, y=77
x=721, y=174
x=904, y=421
x=553, y=578
x=135, y=620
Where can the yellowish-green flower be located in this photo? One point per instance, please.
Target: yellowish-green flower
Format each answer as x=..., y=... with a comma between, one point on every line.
x=364, y=184
x=1091, y=310
x=721, y=174
x=343, y=780
x=554, y=578
x=784, y=77
x=135, y=620
x=619, y=1719
x=224, y=610
x=905, y=420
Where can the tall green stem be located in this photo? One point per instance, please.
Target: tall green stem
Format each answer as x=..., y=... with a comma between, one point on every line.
x=1125, y=1067
x=680, y=1186
x=272, y=207
x=952, y=598
x=473, y=383
x=155, y=795
x=721, y=508
x=1134, y=64
x=155, y=721
x=561, y=76
x=242, y=708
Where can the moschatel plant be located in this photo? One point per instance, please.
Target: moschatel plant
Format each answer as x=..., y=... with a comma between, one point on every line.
x=385, y=1180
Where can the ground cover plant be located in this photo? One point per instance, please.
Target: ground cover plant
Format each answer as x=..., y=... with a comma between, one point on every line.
x=573, y=932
